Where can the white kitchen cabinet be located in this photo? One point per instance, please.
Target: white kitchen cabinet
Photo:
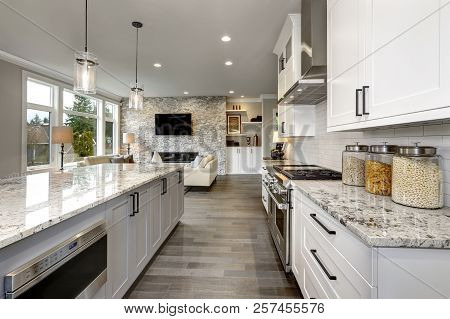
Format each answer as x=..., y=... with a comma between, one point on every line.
x=296, y=120
x=344, y=35
x=155, y=217
x=398, y=80
x=139, y=234
x=288, y=51
x=244, y=160
x=137, y=230
x=118, y=210
x=390, y=83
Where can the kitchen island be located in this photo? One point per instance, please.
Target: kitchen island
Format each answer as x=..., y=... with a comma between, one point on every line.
x=137, y=206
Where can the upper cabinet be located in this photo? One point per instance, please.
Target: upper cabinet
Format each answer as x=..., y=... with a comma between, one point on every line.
x=288, y=50
x=296, y=120
x=388, y=62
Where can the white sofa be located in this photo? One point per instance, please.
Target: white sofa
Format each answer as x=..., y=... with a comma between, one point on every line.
x=95, y=160
x=201, y=176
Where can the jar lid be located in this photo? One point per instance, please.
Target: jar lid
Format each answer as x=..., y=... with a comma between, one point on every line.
x=383, y=149
x=416, y=150
x=356, y=148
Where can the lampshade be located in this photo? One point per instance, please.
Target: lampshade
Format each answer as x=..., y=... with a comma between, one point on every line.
x=128, y=138
x=62, y=134
x=277, y=139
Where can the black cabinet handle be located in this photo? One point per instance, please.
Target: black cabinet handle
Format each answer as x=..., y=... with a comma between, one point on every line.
x=357, y=102
x=134, y=205
x=137, y=202
x=316, y=257
x=314, y=216
x=164, y=186
x=364, y=89
x=179, y=177
x=282, y=127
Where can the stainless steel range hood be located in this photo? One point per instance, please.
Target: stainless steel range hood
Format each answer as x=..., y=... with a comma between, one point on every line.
x=311, y=89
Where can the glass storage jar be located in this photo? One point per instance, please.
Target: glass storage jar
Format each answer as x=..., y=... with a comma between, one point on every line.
x=417, y=178
x=378, y=172
x=353, y=159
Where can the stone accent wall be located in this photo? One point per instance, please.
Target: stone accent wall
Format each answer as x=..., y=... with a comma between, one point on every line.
x=208, y=127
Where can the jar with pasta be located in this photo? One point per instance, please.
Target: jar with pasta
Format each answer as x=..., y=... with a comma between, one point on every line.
x=378, y=169
x=353, y=159
x=417, y=178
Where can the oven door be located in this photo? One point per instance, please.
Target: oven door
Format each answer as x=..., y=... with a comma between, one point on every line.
x=279, y=223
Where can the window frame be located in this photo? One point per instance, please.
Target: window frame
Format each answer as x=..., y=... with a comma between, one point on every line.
x=57, y=112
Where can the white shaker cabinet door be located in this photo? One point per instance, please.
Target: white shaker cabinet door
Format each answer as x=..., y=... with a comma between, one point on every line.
x=233, y=160
x=344, y=35
x=118, y=247
x=412, y=73
x=155, y=217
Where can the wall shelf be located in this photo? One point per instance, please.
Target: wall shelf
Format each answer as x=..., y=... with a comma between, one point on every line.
x=251, y=123
x=236, y=111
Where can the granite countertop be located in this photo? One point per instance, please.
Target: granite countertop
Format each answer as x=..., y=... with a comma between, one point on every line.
x=34, y=202
x=377, y=220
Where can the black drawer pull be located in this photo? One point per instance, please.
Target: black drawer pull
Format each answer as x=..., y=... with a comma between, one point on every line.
x=314, y=216
x=314, y=253
x=134, y=205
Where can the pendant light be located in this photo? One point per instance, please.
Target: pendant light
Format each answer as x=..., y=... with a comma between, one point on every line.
x=85, y=67
x=137, y=89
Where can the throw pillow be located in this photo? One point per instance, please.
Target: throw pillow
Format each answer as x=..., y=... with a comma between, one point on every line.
x=117, y=160
x=203, y=162
x=156, y=158
x=197, y=161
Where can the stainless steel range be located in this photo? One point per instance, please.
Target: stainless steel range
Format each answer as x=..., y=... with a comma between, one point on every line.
x=276, y=182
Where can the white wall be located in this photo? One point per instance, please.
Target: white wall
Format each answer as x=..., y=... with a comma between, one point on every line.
x=325, y=149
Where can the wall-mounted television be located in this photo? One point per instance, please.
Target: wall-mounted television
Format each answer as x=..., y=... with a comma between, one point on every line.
x=173, y=124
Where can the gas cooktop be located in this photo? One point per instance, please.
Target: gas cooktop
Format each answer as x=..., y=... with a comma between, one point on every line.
x=307, y=172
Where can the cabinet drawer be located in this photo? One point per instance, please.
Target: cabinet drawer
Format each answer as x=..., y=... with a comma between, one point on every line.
x=311, y=288
x=335, y=274
x=360, y=256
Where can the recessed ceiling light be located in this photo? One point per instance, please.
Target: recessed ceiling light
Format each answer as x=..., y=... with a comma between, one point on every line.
x=242, y=96
x=226, y=38
x=157, y=65
x=231, y=92
x=291, y=96
x=185, y=92
x=299, y=90
x=229, y=63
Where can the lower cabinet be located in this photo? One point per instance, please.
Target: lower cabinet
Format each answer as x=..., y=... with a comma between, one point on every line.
x=329, y=261
x=244, y=160
x=138, y=223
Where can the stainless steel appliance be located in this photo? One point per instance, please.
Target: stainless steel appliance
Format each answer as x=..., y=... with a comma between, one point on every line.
x=76, y=268
x=311, y=89
x=276, y=182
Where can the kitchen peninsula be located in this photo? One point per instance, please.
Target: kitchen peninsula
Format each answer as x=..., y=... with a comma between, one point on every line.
x=45, y=217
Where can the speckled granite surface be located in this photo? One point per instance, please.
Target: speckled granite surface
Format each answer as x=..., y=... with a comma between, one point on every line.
x=377, y=220
x=31, y=203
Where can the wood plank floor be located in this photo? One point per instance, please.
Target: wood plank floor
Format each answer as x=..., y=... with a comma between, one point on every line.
x=221, y=249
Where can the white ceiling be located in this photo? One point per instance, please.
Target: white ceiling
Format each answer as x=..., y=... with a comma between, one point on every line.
x=182, y=35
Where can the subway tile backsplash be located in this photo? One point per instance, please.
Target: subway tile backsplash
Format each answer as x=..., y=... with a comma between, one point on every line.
x=325, y=149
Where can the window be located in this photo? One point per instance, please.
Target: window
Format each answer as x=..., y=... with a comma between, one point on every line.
x=80, y=113
x=48, y=103
x=39, y=109
x=110, y=127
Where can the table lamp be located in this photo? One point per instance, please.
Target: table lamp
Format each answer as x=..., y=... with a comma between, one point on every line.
x=128, y=138
x=61, y=135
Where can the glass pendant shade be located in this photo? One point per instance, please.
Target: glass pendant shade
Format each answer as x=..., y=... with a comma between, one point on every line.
x=137, y=96
x=85, y=73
